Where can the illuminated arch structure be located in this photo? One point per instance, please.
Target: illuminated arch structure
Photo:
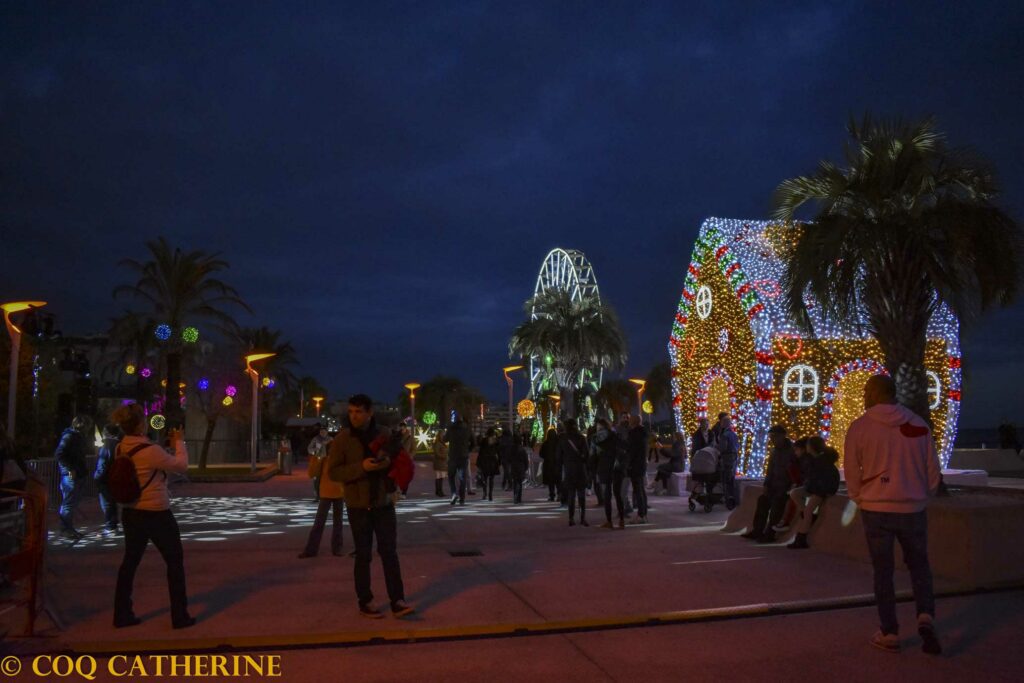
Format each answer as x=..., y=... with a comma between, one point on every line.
x=570, y=271
x=732, y=326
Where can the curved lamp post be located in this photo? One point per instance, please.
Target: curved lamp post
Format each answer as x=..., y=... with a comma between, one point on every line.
x=511, y=368
x=557, y=398
x=318, y=400
x=639, y=393
x=412, y=387
x=15, y=332
x=255, y=377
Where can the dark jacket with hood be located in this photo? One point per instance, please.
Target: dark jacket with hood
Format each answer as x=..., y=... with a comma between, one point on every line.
x=823, y=475
x=70, y=454
x=549, y=454
x=637, y=445
x=488, y=464
x=776, y=478
x=104, y=458
x=573, y=452
x=458, y=438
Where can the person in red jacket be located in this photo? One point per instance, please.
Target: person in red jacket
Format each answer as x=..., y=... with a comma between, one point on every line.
x=891, y=471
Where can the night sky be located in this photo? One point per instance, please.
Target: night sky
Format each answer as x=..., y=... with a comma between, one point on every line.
x=386, y=179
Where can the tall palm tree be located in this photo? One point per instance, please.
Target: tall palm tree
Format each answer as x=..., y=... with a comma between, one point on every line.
x=180, y=289
x=909, y=224
x=579, y=335
x=658, y=389
x=619, y=395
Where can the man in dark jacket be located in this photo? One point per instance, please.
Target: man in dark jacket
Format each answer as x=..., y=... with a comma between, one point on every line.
x=572, y=451
x=70, y=456
x=458, y=438
x=772, y=503
x=636, y=444
x=111, y=437
x=359, y=458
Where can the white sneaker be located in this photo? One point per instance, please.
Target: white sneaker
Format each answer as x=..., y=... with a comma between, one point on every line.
x=781, y=527
x=890, y=642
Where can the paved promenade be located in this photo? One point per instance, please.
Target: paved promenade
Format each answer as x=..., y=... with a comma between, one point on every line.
x=578, y=598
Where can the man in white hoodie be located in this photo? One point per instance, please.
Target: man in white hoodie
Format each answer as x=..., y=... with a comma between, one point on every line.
x=891, y=471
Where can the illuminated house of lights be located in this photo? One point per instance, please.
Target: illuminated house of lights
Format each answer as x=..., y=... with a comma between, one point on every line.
x=734, y=348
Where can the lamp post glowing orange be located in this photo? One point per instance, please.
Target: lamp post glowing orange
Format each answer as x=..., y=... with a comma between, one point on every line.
x=412, y=387
x=557, y=398
x=15, y=332
x=511, y=368
x=639, y=392
x=254, y=427
x=318, y=400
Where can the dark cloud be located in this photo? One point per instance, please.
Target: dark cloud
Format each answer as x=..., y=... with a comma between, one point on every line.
x=385, y=179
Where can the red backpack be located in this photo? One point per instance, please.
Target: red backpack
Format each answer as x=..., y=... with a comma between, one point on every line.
x=123, y=480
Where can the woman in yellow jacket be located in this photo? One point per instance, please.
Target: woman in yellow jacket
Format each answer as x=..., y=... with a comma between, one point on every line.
x=332, y=497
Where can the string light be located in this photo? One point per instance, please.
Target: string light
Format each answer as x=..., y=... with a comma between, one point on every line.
x=731, y=322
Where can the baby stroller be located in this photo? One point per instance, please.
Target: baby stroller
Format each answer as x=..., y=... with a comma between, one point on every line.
x=706, y=478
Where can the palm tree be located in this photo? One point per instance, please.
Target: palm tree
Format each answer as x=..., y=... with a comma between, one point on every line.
x=579, y=335
x=619, y=395
x=179, y=289
x=133, y=338
x=906, y=226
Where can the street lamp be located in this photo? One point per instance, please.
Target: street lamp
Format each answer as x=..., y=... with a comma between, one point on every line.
x=412, y=387
x=15, y=332
x=318, y=400
x=511, y=368
x=255, y=377
x=639, y=392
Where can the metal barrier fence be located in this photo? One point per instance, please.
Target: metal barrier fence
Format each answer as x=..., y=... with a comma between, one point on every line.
x=222, y=452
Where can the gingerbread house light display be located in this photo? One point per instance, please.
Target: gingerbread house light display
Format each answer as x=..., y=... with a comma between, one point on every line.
x=734, y=348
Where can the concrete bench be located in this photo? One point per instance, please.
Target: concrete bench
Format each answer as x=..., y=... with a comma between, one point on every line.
x=991, y=460
x=975, y=538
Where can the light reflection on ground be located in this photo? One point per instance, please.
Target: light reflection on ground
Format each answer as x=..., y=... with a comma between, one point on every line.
x=212, y=519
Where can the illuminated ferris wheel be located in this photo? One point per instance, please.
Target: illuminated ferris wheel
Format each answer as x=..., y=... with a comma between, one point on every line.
x=570, y=271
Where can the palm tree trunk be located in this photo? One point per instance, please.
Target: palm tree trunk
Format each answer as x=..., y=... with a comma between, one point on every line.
x=172, y=400
x=211, y=425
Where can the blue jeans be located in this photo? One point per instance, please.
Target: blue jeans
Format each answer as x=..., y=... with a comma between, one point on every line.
x=70, y=492
x=107, y=504
x=911, y=530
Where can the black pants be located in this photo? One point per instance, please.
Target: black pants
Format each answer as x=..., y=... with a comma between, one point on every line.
x=382, y=523
x=771, y=505
x=639, y=494
x=489, y=487
x=457, y=481
x=517, y=488
x=612, y=487
x=337, y=505
x=577, y=493
x=141, y=527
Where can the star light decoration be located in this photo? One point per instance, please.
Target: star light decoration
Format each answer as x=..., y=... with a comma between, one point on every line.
x=422, y=438
x=765, y=369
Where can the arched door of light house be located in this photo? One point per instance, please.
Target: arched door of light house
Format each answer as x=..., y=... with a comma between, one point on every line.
x=718, y=399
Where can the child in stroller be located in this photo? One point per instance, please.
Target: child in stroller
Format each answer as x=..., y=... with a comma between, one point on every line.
x=706, y=480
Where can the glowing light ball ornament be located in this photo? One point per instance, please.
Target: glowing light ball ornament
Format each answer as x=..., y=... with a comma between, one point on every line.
x=190, y=335
x=203, y=384
x=158, y=422
x=230, y=390
x=146, y=372
x=271, y=383
x=129, y=369
x=735, y=348
x=163, y=332
x=526, y=408
x=429, y=418
x=647, y=407
x=227, y=401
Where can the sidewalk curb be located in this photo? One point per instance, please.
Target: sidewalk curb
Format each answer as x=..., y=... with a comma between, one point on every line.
x=486, y=631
